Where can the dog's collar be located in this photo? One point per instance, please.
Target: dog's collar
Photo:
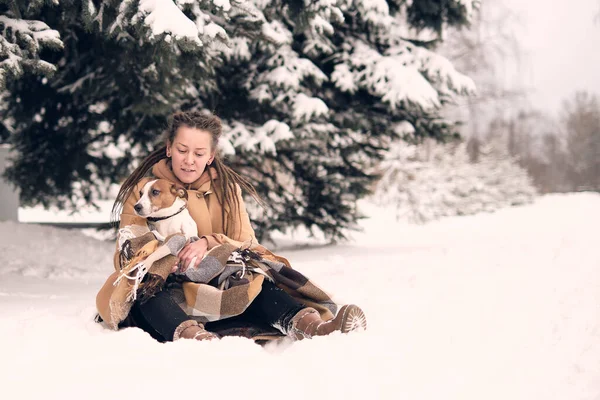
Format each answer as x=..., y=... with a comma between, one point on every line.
x=156, y=219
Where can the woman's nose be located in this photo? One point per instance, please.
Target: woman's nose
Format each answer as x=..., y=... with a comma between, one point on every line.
x=189, y=159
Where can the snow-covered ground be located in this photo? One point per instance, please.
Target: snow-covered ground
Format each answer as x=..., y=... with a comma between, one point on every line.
x=493, y=306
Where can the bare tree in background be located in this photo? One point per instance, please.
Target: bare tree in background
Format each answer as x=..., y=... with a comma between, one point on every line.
x=538, y=144
x=552, y=165
x=560, y=156
x=484, y=52
x=581, y=119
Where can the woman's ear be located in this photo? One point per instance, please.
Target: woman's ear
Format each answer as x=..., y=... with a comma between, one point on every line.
x=168, y=148
x=211, y=159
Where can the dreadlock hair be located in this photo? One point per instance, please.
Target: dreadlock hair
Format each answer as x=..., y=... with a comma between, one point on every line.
x=227, y=178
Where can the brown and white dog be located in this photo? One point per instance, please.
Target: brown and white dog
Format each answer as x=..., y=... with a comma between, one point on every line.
x=165, y=206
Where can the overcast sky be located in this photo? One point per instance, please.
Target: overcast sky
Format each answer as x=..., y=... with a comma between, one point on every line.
x=561, y=44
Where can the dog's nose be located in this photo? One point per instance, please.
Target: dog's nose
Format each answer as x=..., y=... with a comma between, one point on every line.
x=137, y=208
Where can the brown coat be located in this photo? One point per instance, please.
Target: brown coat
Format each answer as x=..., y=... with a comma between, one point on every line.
x=205, y=209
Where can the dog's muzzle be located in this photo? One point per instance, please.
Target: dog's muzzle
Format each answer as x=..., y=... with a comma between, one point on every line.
x=138, y=208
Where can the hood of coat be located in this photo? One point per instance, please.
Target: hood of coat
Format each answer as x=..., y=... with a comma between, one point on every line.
x=162, y=169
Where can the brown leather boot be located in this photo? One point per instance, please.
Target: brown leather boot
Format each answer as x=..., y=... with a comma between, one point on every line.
x=308, y=323
x=193, y=330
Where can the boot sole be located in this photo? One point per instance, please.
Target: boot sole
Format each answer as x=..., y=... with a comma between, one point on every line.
x=353, y=319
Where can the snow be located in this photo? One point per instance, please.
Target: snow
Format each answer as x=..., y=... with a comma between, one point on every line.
x=375, y=11
x=277, y=130
x=343, y=78
x=240, y=49
x=37, y=29
x=306, y=107
x=433, y=180
x=88, y=214
x=277, y=32
x=494, y=306
x=404, y=128
x=98, y=108
x=388, y=77
x=397, y=84
x=260, y=138
x=78, y=84
x=289, y=69
x=224, y=4
x=30, y=36
x=403, y=73
x=321, y=25
x=442, y=72
x=213, y=30
x=107, y=146
x=163, y=16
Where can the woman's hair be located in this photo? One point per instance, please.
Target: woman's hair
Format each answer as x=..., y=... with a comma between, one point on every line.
x=227, y=178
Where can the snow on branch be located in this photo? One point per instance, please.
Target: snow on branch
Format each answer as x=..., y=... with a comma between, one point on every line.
x=166, y=20
x=239, y=49
x=276, y=32
x=438, y=69
x=223, y=4
x=405, y=73
x=306, y=107
x=376, y=12
x=387, y=76
x=321, y=14
x=288, y=70
x=396, y=84
x=20, y=44
x=163, y=16
x=343, y=78
x=258, y=139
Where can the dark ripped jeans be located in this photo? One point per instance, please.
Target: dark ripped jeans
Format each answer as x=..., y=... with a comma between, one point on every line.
x=161, y=315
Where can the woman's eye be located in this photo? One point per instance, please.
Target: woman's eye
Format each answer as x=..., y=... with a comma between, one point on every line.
x=155, y=192
x=181, y=151
x=199, y=155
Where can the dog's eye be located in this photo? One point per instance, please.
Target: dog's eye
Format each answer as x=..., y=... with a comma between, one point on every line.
x=141, y=194
x=155, y=192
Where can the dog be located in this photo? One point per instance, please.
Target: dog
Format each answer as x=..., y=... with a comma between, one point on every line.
x=164, y=205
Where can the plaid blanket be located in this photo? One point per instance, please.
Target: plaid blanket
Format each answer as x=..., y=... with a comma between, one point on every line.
x=223, y=285
x=229, y=278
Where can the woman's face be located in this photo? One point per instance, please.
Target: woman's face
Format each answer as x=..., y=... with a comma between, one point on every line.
x=190, y=151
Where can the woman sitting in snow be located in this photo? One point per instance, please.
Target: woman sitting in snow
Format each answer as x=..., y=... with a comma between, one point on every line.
x=249, y=290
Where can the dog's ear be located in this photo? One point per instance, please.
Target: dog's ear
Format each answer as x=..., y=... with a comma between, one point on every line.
x=179, y=192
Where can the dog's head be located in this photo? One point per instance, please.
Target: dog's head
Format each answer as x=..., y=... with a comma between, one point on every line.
x=158, y=195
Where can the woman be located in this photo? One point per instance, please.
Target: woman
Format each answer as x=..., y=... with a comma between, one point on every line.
x=190, y=159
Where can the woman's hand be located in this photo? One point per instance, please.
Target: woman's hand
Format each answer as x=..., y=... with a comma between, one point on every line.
x=193, y=250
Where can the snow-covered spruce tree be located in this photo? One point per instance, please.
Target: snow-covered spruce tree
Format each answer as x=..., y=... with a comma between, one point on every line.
x=310, y=92
x=22, y=40
x=125, y=66
x=432, y=180
x=310, y=115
